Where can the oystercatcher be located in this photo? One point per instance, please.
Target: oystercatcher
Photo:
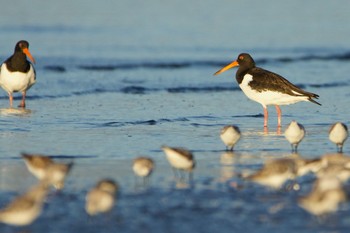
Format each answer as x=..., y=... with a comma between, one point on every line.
x=17, y=74
x=265, y=87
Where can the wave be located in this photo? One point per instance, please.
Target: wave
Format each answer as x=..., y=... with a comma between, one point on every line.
x=144, y=122
x=122, y=65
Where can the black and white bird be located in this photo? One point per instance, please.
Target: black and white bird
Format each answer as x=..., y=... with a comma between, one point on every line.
x=17, y=74
x=338, y=133
x=265, y=87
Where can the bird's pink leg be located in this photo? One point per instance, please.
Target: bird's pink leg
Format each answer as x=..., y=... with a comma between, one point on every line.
x=23, y=102
x=279, y=116
x=10, y=99
x=266, y=116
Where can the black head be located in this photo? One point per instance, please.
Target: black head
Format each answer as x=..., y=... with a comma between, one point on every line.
x=245, y=60
x=22, y=44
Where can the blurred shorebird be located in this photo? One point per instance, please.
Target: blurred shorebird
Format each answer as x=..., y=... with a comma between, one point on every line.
x=45, y=169
x=265, y=87
x=335, y=159
x=101, y=198
x=143, y=167
x=338, y=133
x=24, y=209
x=325, y=197
x=180, y=159
x=335, y=170
x=305, y=166
x=294, y=133
x=17, y=74
x=275, y=173
x=230, y=134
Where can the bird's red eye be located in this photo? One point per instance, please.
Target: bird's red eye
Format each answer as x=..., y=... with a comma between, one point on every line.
x=240, y=57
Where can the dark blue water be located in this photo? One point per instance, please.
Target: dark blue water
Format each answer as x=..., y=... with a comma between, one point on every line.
x=116, y=80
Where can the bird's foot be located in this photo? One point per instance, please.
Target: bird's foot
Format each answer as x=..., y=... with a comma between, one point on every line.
x=22, y=105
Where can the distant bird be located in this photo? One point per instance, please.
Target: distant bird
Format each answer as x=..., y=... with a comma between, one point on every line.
x=143, y=167
x=265, y=87
x=230, y=135
x=45, y=169
x=17, y=74
x=294, y=133
x=24, y=209
x=275, y=173
x=338, y=133
x=180, y=159
x=101, y=198
x=325, y=197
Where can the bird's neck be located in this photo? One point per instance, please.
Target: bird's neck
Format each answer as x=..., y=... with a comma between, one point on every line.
x=240, y=73
x=18, y=62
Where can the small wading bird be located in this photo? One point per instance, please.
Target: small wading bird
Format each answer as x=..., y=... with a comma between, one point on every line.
x=143, y=167
x=275, y=173
x=45, y=169
x=230, y=135
x=24, y=209
x=338, y=133
x=180, y=159
x=17, y=74
x=327, y=194
x=294, y=133
x=101, y=198
x=265, y=87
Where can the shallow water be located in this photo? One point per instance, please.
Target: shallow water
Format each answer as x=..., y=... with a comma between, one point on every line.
x=120, y=79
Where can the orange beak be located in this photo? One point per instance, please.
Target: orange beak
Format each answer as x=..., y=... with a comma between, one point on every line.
x=26, y=52
x=229, y=66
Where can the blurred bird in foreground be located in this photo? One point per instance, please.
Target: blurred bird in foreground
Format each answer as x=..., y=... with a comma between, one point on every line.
x=230, y=134
x=274, y=173
x=338, y=133
x=101, y=198
x=45, y=169
x=24, y=209
x=325, y=197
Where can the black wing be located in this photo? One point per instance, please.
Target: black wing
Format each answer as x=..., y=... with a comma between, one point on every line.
x=277, y=83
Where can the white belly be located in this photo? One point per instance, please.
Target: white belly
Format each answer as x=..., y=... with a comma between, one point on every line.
x=268, y=97
x=16, y=81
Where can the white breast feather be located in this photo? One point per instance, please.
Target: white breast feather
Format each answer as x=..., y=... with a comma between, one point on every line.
x=268, y=97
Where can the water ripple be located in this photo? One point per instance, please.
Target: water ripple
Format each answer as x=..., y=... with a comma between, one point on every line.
x=122, y=65
x=144, y=122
